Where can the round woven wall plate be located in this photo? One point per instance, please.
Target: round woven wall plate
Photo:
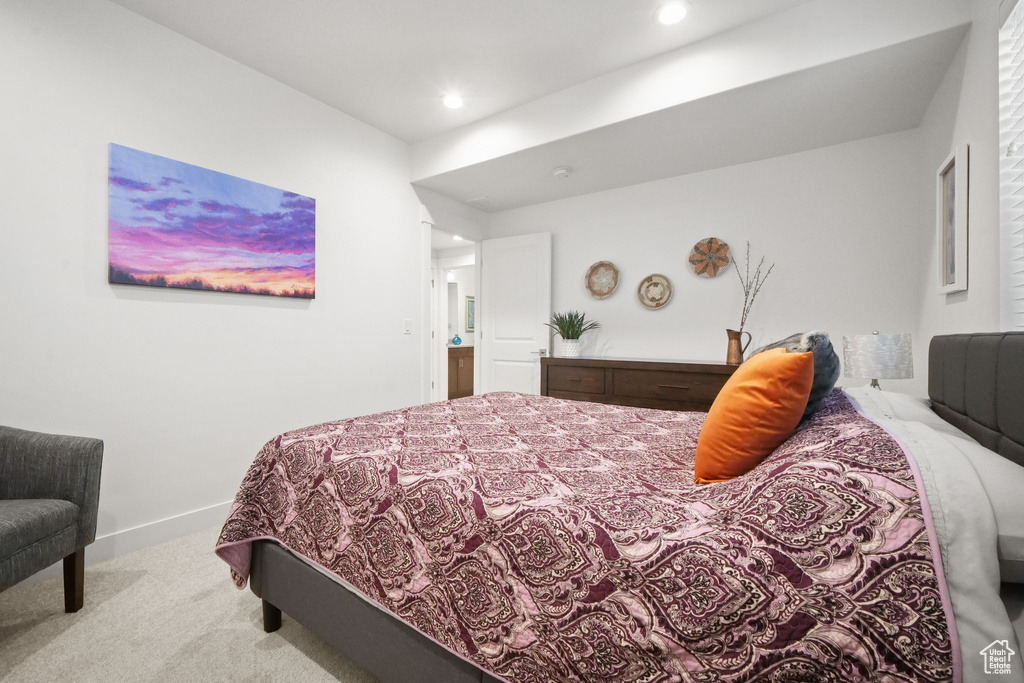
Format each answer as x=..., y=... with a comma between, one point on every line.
x=709, y=257
x=654, y=291
x=601, y=280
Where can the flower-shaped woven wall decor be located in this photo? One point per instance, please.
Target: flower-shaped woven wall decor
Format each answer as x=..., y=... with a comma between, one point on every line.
x=709, y=257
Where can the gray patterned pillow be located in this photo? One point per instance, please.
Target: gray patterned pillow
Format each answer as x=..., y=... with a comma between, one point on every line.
x=826, y=363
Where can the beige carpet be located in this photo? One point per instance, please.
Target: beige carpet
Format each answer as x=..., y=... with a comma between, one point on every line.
x=166, y=613
x=170, y=613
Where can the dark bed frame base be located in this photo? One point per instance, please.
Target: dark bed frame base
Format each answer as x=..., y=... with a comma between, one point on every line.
x=376, y=641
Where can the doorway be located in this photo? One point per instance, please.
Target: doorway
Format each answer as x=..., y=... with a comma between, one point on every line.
x=453, y=261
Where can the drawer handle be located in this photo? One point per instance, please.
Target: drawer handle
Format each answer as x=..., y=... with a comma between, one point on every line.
x=575, y=379
x=674, y=386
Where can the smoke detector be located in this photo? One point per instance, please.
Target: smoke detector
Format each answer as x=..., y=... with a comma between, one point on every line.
x=562, y=172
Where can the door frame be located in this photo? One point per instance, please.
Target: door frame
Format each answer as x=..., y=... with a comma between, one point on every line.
x=434, y=350
x=426, y=310
x=439, y=323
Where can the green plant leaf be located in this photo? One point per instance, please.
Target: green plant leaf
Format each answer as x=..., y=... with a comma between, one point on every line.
x=571, y=324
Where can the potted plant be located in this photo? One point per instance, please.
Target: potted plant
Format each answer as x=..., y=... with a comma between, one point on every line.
x=570, y=326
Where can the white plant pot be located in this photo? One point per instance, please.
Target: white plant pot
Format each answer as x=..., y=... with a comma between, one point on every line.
x=570, y=348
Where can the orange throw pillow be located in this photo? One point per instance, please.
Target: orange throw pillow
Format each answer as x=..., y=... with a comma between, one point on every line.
x=756, y=410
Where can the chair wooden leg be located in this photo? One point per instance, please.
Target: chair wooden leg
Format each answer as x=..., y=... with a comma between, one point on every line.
x=74, y=580
x=271, y=617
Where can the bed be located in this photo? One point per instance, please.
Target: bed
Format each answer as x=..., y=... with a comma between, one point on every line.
x=525, y=538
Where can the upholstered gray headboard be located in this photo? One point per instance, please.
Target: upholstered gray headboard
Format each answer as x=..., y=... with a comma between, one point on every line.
x=976, y=383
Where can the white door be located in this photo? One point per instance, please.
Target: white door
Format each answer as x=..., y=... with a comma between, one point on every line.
x=515, y=302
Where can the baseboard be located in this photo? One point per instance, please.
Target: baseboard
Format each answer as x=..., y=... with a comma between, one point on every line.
x=143, y=536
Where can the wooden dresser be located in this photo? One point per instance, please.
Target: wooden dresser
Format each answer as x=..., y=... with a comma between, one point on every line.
x=643, y=383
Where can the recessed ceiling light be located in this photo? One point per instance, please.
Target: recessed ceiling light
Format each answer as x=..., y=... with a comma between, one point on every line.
x=452, y=101
x=457, y=238
x=672, y=13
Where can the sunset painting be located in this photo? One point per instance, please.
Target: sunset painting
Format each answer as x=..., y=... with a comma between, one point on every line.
x=177, y=225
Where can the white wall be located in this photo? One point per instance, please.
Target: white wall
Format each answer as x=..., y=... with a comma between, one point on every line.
x=965, y=109
x=184, y=387
x=840, y=223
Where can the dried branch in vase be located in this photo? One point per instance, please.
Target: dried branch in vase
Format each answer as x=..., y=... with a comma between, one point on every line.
x=751, y=285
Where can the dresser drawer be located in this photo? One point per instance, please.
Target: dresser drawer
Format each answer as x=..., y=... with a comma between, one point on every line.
x=580, y=380
x=666, y=385
x=676, y=386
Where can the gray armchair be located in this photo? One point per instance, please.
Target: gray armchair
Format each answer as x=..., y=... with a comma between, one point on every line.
x=49, y=498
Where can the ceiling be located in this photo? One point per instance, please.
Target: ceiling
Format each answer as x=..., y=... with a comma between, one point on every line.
x=874, y=93
x=387, y=62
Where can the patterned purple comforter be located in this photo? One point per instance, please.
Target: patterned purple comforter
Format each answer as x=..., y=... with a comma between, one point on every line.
x=544, y=539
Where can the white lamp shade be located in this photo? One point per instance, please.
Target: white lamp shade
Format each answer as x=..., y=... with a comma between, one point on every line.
x=878, y=356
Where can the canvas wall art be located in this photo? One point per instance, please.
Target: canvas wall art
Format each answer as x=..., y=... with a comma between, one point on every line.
x=172, y=224
x=952, y=196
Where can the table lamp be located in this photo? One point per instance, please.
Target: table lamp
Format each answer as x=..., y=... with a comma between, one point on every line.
x=878, y=356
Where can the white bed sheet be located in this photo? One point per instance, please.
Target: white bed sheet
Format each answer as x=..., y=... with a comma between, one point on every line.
x=1002, y=479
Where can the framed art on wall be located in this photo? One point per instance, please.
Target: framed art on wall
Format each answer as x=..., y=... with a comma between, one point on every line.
x=470, y=314
x=172, y=224
x=952, y=185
